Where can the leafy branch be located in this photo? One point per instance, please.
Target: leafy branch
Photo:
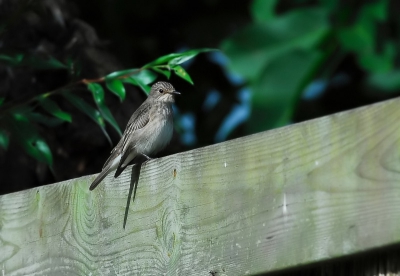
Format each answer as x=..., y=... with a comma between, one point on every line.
x=16, y=118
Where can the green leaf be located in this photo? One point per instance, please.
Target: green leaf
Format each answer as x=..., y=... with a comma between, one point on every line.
x=118, y=74
x=45, y=120
x=255, y=46
x=180, y=72
x=52, y=107
x=12, y=60
x=4, y=139
x=278, y=89
x=91, y=112
x=138, y=82
x=44, y=150
x=263, y=10
x=28, y=138
x=117, y=88
x=142, y=79
x=387, y=82
x=145, y=76
x=51, y=63
x=1, y=101
x=177, y=58
x=166, y=73
x=361, y=39
x=98, y=95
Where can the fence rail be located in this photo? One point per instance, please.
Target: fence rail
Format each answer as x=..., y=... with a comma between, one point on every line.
x=313, y=191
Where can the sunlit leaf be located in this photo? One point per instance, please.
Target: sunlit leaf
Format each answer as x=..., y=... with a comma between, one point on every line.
x=52, y=107
x=166, y=73
x=138, y=82
x=145, y=76
x=91, y=112
x=98, y=95
x=177, y=58
x=118, y=74
x=116, y=86
x=179, y=71
x=4, y=139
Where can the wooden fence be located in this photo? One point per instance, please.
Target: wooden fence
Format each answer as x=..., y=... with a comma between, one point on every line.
x=309, y=192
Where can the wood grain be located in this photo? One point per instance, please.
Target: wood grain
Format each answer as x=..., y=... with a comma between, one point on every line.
x=295, y=195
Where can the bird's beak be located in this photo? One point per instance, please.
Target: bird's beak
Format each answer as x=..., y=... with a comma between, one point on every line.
x=175, y=92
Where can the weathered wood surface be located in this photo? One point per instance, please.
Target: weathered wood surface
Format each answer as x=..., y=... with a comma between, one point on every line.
x=308, y=192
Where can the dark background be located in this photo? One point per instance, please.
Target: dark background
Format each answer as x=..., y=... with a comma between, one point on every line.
x=281, y=62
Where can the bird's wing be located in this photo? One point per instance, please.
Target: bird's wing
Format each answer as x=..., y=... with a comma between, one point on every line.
x=138, y=120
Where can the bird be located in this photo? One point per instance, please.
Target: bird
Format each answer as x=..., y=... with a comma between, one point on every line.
x=148, y=131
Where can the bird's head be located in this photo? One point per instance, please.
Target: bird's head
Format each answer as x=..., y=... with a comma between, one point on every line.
x=163, y=91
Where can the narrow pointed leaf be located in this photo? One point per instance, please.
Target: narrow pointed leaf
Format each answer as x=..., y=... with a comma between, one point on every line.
x=98, y=95
x=52, y=107
x=117, y=74
x=44, y=149
x=143, y=86
x=180, y=72
x=117, y=88
x=4, y=139
x=177, y=58
x=43, y=119
x=91, y=112
x=145, y=76
x=166, y=73
x=185, y=56
x=28, y=138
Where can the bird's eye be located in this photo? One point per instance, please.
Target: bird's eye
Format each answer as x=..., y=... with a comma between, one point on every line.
x=161, y=91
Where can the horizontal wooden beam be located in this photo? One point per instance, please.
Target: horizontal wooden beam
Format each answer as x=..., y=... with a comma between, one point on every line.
x=307, y=192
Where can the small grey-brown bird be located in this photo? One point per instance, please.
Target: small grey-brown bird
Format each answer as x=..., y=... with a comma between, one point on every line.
x=148, y=131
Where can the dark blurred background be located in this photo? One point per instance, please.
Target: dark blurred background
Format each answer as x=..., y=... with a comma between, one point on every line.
x=280, y=62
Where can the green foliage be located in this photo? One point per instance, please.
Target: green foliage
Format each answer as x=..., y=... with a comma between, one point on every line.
x=279, y=54
x=52, y=107
x=28, y=138
x=116, y=86
x=17, y=121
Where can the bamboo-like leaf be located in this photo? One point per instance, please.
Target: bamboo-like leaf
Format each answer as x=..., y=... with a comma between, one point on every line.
x=91, y=112
x=4, y=139
x=52, y=107
x=138, y=82
x=180, y=72
x=98, y=95
x=166, y=73
x=177, y=58
x=116, y=86
x=45, y=120
x=145, y=76
x=117, y=74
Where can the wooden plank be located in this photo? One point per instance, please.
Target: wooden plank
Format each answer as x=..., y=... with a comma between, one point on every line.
x=295, y=195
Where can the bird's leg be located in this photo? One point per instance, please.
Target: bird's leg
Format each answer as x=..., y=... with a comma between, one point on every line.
x=148, y=158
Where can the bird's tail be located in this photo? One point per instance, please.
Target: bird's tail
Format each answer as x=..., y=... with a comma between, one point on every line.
x=99, y=178
x=111, y=164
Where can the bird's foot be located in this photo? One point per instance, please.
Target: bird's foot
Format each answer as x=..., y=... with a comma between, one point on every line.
x=147, y=158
